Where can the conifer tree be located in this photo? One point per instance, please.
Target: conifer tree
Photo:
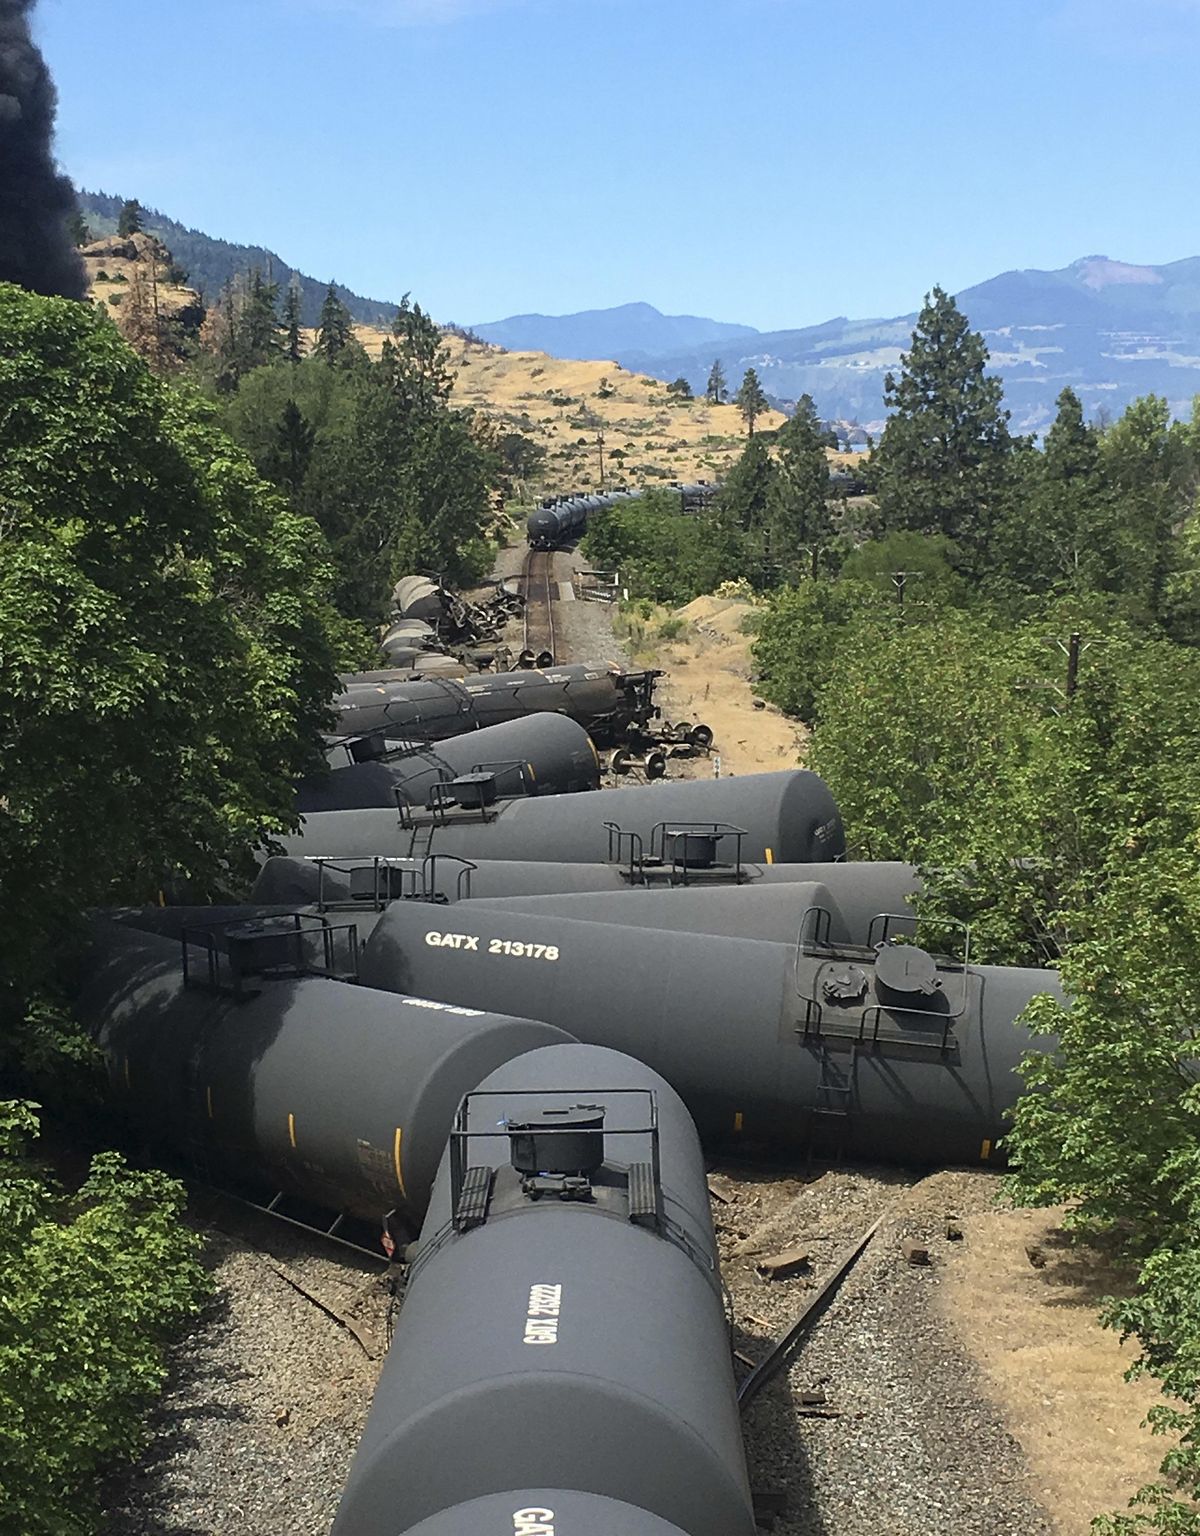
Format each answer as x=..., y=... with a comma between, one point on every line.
x=1057, y=537
x=944, y=462
x=799, y=518
x=716, y=391
x=295, y=439
x=259, y=323
x=746, y=495
x=420, y=360
x=750, y=399
x=130, y=221
x=293, y=334
x=336, y=341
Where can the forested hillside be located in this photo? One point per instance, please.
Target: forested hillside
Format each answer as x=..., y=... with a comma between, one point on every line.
x=212, y=264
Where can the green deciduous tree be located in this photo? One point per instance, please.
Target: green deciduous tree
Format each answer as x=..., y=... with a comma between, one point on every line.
x=943, y=464
x=662, y=553
x=166, y=646
x=1110, y=1126
x=750, y=399
x=91, y=1288
x=680, y=389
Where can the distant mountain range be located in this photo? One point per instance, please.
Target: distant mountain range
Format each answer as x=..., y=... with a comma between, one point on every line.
x=1112, y=330
x=210, y=263
x=603, y=333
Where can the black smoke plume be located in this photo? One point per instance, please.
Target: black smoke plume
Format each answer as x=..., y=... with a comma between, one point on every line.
x=36, y=249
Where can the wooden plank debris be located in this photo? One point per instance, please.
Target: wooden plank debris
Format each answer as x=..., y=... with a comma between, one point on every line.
x=779, y=1266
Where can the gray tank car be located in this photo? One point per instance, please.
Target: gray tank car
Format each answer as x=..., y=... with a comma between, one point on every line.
x=779, y=1045
x=542, y=755
x=295, y=882
x=846, y=902
x=564, y=1324
x=789, y=818
x=329, y=1092
x=606, y=701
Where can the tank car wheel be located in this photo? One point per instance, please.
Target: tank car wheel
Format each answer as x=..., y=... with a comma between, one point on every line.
x=656, y=765
x=701, y=737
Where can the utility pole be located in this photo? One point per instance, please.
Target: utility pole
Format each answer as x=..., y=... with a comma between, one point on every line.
x=1072, y=664
x=600, y=445
x=900, y=581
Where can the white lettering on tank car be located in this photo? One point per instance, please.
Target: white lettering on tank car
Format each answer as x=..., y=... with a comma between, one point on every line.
x=541, y=1318
x=428, y=1002
x=533, y=1522
x=438, y=940
x=515, y=949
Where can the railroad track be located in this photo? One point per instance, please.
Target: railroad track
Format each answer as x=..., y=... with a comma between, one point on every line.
x=537, y=584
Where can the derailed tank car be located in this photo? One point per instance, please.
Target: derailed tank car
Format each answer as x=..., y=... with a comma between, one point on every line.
x=885, y=1051
x=276, y=1082
x=606, y=701
x=541, y=755
x=564, y=1325
x=786, y=817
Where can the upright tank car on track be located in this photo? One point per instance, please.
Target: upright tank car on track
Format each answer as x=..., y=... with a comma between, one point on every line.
x=560, y=519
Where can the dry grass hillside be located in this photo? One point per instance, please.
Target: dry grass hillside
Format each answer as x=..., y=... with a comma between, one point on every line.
x=120, y=267
x=648, y=435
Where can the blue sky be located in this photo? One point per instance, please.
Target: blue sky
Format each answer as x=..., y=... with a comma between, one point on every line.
x=775, y=162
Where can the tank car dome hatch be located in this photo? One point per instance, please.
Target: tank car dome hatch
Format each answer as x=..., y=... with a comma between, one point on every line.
x=907, y=971
x=559, y=1140
x=545, y=1512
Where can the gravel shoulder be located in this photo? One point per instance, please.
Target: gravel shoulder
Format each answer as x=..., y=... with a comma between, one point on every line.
x=268, y=1396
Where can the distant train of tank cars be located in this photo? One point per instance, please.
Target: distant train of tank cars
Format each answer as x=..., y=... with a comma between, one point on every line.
x=561, y=518
x=491, y=1021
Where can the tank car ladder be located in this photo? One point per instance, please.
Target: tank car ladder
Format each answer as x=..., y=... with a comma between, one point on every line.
x=835, y=1099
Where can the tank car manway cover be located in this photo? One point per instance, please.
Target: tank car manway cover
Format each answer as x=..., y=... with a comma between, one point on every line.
x=905, y=968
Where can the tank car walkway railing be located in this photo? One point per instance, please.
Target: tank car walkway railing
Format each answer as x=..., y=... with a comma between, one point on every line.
x=836, y=1005
x=683, y=852
x=268, y=949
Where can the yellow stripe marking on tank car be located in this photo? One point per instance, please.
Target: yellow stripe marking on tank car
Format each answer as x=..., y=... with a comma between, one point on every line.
x=396, y=1143
x=770, y=856
x=292, y=1128
x=737, y=1120
x=985, y=1151
x=532, y=775
x=208, y=1100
